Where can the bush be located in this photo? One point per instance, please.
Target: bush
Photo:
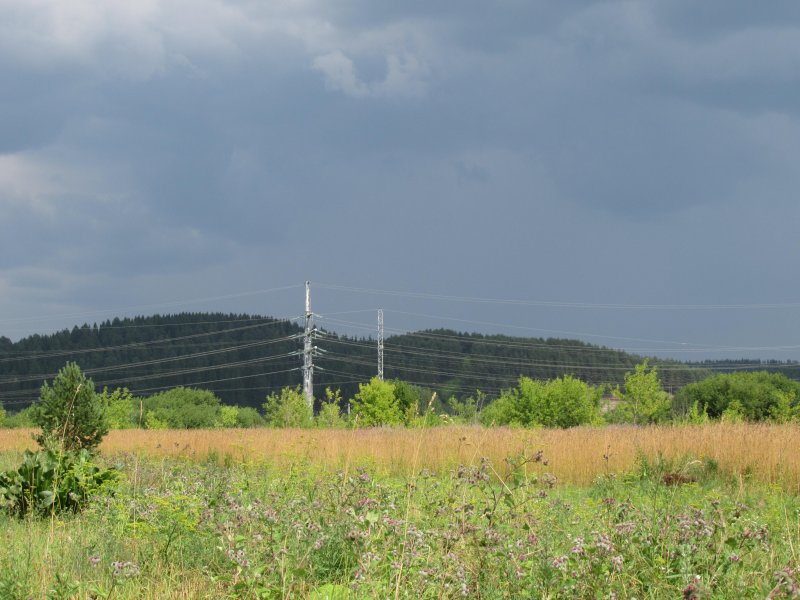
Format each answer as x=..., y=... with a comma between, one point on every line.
x=408, y=398
x=330, y=414
x=70, y=413
x=23, y=418
x=120, y=408
x=238, y=416
x=376, y=404
x=643, y=401
x=561, y=402
x=290, y=409
x=228, y=417
x=249, y=417
x=182, y=408
x=48, y=482
x=466, y=411
x=759, y=396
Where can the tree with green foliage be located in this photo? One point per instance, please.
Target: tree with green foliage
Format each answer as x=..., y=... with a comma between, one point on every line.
x=643, y=401
x=431, y=414
x=182, y=408
x=2, y=416
x=20, y=419
x=784, y=409
x=464, y=411
x=760, y=396
x=228, y=417
x=247, y=417
x=70, y=413
x=408, y=399
x=561, y=402
x=289, y=409
x=119, y=408
x=330, y=413
x=376, y=404
x=733, y=413
x=697, y=415
x=151, y=421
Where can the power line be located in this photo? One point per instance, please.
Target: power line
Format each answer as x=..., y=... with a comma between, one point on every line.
x=472, y=339
x=428, y=371
x=186, y=371
x=158, y=361
x=393, y=346
x=555, y=304
x=146, y=344
x=28, y=400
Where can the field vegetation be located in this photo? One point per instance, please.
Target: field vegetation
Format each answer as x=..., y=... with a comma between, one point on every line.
x=741, y=452
x=544, y=493
x=336, y=515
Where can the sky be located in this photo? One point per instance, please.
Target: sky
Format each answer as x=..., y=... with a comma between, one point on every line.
x=620, y=172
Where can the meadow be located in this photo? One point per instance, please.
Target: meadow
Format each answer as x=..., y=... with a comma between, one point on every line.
x=707, y=511
x=756, y=452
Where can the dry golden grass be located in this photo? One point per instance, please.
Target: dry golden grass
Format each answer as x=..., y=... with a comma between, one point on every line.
x=769, y=453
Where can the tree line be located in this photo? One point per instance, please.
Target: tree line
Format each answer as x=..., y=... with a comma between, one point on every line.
x=239, y=357
x=560, y=402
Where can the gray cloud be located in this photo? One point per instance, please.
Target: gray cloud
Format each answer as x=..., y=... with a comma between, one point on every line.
x=620, y=152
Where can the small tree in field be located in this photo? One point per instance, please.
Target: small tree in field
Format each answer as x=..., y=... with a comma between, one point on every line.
x=119, y=408
x=330, y=413
x=290, y=409
x=376, y=404
x=70, y=413
x=643, y=400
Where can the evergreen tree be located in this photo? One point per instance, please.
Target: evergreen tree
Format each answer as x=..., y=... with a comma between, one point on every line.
x=70, y=414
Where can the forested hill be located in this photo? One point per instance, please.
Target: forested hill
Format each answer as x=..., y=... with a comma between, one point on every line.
x=244, y=357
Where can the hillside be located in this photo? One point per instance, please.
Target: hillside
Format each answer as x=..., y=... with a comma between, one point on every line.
x=243, y=357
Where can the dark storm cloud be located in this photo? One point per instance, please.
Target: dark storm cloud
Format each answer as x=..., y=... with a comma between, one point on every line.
x=640, y=152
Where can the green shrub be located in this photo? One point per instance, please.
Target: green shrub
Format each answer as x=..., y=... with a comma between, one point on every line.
x=17, y=420
x=330, y=413
x=23, y=418
x=151, y=421
x=48, y=482
x=409, y=397
x=643, y=401
x=759, y=395
x=247, y=416
x=561, y=402
x=228, y=417
x=466, y=411
x=182, y=408
x=376, y=404
x=119, y=408
x=290, y=409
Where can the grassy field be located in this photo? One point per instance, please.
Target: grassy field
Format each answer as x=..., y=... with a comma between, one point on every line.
x=761, y=453
x=676, y=512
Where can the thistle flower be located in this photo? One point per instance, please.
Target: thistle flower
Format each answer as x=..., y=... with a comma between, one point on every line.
x=125, y=569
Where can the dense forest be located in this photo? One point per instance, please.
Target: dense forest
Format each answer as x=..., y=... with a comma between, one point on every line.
x=243, y=357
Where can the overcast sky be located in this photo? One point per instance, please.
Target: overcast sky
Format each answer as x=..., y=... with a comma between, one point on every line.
x=160, y=156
